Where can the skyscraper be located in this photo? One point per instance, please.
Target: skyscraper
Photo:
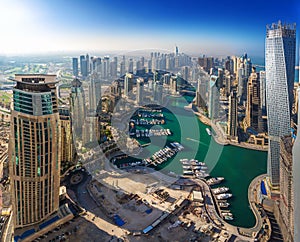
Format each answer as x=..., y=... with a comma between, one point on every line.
x=206, y=62
x=280, y=71
x=130, y=66
x=139, y=90
x=77, y=107
x=262, y=80
x=232, y=115
x=122, y=68
x=128, y=84
x=75, y=66
x=34, y=149
x=201, y=93
x=173, y=84
x=105, y=67
x=157, y=91
x=253, y=117
x=114, y=67
x=95, y=94
x=83, y=69
x=88, y=68
x=67, y=148
x=214, y=98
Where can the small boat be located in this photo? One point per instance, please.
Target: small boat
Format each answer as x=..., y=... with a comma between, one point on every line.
x=214, y=181
x=228, y=217
x=202, y=175
x=227, y=214
x=220, y=190
x=224, y=205
x=223, y=196
x=208, y=131
x=188, y=173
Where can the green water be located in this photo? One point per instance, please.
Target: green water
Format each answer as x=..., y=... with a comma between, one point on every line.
x=237, y=165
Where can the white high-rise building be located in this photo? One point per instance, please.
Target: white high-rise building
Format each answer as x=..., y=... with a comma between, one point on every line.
x=280, y=71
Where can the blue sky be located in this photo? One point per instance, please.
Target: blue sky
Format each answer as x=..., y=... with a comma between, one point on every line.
x=208, y=27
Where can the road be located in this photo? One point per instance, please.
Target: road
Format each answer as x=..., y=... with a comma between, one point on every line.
x=211, y=211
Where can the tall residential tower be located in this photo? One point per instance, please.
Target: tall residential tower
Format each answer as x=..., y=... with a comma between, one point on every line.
x=280, y=72
x=34, y=149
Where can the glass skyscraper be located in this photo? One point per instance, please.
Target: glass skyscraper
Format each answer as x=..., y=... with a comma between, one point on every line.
x=280, y=71
x=75, y=66
x=77, y=107
x=34, y=149
x=214, y=98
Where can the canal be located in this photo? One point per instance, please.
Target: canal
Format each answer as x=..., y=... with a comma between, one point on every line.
x=237, y=165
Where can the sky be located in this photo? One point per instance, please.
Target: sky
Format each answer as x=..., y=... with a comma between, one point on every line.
x=197, y=27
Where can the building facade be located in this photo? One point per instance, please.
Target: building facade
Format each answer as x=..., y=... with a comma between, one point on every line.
x=280, y=70
x=139, y=91
x=262, y=81
x=128, y=84
x=214, y=98
x=95, y=94
x=75, y=66
x=232, y=124
x=77, y=107
x=253, y=117
x=68, y=152
x=34, y=149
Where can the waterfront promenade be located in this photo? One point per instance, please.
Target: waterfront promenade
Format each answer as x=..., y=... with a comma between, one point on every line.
x=254, y=200
x=220, y=136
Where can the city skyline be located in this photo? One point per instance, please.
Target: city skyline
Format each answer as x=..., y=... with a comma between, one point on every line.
x=199, y=27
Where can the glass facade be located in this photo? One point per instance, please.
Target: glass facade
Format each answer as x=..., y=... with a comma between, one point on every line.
x=280, y=52
x=34, y=152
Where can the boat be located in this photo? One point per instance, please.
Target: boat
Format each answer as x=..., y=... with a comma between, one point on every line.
x=223, y=196
x=202, y=175
x=185, y=162
x=228, y=217
x=220, y=190
x=188, y=173
x=224, y=205
x=226, y=214
x=208, y=131
x=214, y=181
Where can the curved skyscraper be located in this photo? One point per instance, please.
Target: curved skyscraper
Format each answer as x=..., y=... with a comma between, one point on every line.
x=280, y=72
x=34, y=149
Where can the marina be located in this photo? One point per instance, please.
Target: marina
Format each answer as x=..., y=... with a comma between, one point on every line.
x=236, y=164
x=162, y=155
x=151, y=132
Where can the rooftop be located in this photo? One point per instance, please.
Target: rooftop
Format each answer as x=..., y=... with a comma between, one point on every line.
x=36, y=79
